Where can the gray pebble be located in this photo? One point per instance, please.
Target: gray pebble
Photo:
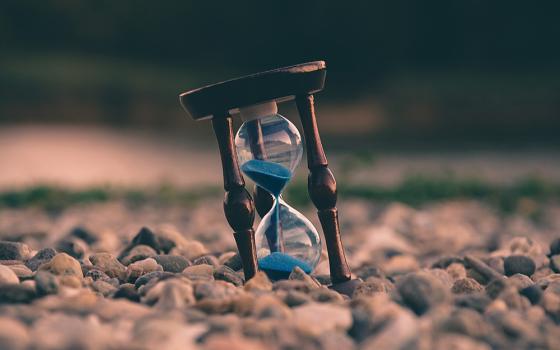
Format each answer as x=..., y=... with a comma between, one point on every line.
x=142, y=280
x=234, y=262
x=466, y=286
x=14, y=251
x=477, y=301
x=108, y=264
x=72, y=246
x=137, y=253
x=519, y=264
x=372, y=286
x=127, y=291
x=295, y=298
x=420, y=291
x=555, y=263
x=224, y=273
x=46, y=283
x=16, y=293
x=555, y=247
x=207, y=260
x=44, y=255
x=172, y=263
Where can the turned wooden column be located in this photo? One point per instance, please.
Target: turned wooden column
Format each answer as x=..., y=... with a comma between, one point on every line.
x=322, y=190
x=238, y=204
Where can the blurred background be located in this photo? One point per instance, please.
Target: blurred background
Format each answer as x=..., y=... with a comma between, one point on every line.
x=89, y=90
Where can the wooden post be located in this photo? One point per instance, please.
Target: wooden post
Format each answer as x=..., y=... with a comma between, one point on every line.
x=322, y=190
x=238, y=204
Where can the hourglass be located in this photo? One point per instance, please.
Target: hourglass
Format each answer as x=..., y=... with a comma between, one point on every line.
x=267, y=148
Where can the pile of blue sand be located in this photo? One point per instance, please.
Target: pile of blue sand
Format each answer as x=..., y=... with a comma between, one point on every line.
x=270, y=176
x=279, y=265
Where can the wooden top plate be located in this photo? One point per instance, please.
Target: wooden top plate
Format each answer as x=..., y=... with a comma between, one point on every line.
x=280, y=84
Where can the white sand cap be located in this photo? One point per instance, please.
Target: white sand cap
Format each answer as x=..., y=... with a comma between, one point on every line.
x=258, y=111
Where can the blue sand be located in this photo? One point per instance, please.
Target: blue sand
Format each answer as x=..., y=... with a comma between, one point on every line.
x=270, y=176
x=273, y=177
x=279, y=265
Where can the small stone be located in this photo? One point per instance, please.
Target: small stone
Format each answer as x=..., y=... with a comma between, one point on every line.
x=224, y=273
x=555, y=263
x=103, y=287
x=89, y=237
x=555, y=247
x=234, y=262
x=318, y=318
x=533, y=293
x=127, y=291
x=72, y=246
x=139, y=252
x=520, y=281
x=16, y=293
x=420, y=291
x=366, y=271
x=7, y=275
x=14, y=251
x=294, y=298
x=22, y=271
x=142, y=267
x=268, y=306
x=70, y=281
x=372, y=286
x=190, y=250
x=171, y=294
x=459, y=342
x=445, y=261
x=13, y=334
x=46, y=283
x=96, y=274
x=158, y=275
x=144, y=237
x=207, y=260
x=215, y=297
x=288, y=285
x=202, y=272
x=259, y=282
x=466, y=286
x=519, y=264
x=495, y=287
x=325, y=295
x=467, y=322
x=400, y=265
x=172, y=263
x=477, y=302
x=42, y=256
x=298, y=274
x=63, y=264
x=456, y=271
x=108, y=264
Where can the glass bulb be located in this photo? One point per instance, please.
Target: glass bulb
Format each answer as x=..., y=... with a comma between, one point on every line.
x=286, y=239
x=272, y=138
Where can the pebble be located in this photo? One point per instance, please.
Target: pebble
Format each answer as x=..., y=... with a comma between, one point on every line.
x=202, y=272
x=466, y=286
x=103, y=287
x=16, y=293
x=22, y=271
x=288, y=285
x=224, y=273
x=294, y=298
x=144, y=237
x=298, y=274
x=456, y=271
x=520, y=281
x=318, y=318
x=555, y=263
x=190, y=250
x=139, y=252
x=139, y=268
x=533, y=293
x=13, y=334
x=420, y=291
x=144, y=279
x=172, y=263
x=63, y=264
x=46, y=283
x=477, y=302
x=555, y=247
x=72, y=246
x=372, y=286
x=207, y=260
x=109, y=265
x=268, y=306
x=14, y=251
x=325, y=295
x=44, y=255
x=259, y=283
x=7, y=275
x=234, y=262
x=495, y=287
x=519, y=264
x=400, y=265
x=127, y=291
x=171, y=294
x=83, y=233
x=445, y=261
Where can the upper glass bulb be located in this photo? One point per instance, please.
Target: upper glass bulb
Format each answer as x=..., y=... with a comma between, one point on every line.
x=269, y=137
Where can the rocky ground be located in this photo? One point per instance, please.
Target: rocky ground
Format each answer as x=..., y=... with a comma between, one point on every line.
x=449, y=275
